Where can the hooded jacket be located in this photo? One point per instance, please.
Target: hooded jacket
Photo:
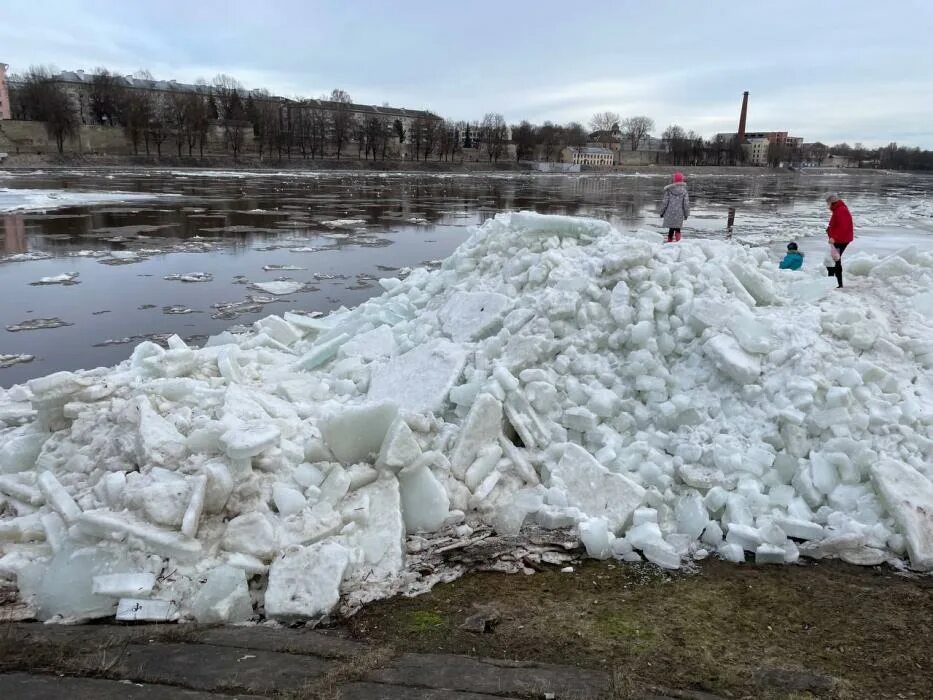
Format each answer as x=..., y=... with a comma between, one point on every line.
x=792, y=261
x=675, y=207
x=840, y=227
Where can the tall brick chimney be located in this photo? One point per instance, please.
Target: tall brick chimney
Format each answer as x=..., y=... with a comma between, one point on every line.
x=743, y=116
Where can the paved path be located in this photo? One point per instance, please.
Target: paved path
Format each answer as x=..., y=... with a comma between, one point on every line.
x=150, y=662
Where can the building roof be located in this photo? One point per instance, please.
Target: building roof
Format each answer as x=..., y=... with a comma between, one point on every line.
x=591, y=150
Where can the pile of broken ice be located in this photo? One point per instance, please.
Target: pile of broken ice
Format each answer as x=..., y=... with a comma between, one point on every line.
x=667, y=401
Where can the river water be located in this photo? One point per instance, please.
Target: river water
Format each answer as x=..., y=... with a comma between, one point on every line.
x=123, y=231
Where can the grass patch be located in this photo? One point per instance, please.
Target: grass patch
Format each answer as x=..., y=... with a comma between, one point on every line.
x=421, y=621
x=618, y=627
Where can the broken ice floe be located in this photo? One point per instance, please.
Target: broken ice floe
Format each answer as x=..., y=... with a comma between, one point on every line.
x=278, y=268
x=279, y=287
x=344, y=223
x=177, y=310
x=10, y=360
x=35, y=324
x=190, y=277
x=554, y=376
x=25, y=257
x=65, y=278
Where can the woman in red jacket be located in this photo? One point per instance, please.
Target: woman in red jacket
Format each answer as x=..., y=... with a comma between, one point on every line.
x=840, y=232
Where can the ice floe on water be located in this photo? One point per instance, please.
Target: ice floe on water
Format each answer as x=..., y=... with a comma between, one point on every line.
x=65, y=278
x=652, y=401
x=279, y=287
x=35, y=324
x=10, y=360
x=190, y=277
x=12, y=200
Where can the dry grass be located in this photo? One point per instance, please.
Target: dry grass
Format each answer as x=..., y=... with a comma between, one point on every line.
x=327, y=686
x=707, y=632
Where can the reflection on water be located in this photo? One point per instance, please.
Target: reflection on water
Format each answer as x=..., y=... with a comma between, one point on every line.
x=244, y=228
x=14, y=234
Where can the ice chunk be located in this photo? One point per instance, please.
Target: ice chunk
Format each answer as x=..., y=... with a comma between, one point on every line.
x=732, y=552
x=192, y=516
x=420, y=379
x=908, y=496
x=250, y=533
x=321, y=352
x=745, y=536
x=356, y=433
x=691, y=515
x=146, y=610
x=382, y=539
x=472, y=315
x=377, y=344
x=753, y=335
x=249, y=441
x=732, y=360
x=288, y=501
x=19, y=451
x=662, y=554
x=66, y=588
x=223, y=597
x=123, y=585
x=157, y=440
x=594, y=533
x=800, y=529
x=769, y=554
x=219, y=486
x=304, y=582
x=594, y=489
x=486, y=461
x=108, y=525
x=399, y=448
x=279, y=287
x=425, y=503
x=481, y=427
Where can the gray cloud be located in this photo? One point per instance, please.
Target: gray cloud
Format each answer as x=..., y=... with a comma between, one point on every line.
x=833, y=70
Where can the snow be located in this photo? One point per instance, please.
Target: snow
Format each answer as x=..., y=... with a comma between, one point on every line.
x=658, y=402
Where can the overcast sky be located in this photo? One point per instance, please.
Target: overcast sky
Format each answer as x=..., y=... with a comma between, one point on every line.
x=854, y=70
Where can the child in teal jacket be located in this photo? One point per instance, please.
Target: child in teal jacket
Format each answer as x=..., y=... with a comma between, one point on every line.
x=794, y=258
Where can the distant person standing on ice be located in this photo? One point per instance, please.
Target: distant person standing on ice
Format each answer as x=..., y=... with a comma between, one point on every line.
x=675, y=207
x=840, y=232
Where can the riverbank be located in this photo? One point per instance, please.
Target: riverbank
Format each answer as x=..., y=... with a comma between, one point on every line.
x=818, y=629
x=21, y=162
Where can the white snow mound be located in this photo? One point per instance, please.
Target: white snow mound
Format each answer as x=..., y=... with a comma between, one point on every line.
x=554, y=373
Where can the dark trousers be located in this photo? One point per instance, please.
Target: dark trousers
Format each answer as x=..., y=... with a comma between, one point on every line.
x=671, y=232
x=836, y=271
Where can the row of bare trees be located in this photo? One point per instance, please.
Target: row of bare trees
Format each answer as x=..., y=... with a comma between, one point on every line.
x=610, y=126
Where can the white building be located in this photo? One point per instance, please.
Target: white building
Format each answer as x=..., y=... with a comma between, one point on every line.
x=588, y=155
x=756, y=150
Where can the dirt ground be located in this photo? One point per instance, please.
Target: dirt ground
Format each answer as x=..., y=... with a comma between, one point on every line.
x=854, y=632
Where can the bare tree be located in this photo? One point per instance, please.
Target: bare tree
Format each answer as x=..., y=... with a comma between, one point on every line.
x=525, y=136
x=226, y=90
x=676, y=140
x=636, y=129
x=431, y=136
x=159, y=119
x=549, y=136
x=341, y=119
x=606, y=125
x=103, y=97
x=44, y=100
x=358, y=134
x=574, y=135
x=493, y=134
